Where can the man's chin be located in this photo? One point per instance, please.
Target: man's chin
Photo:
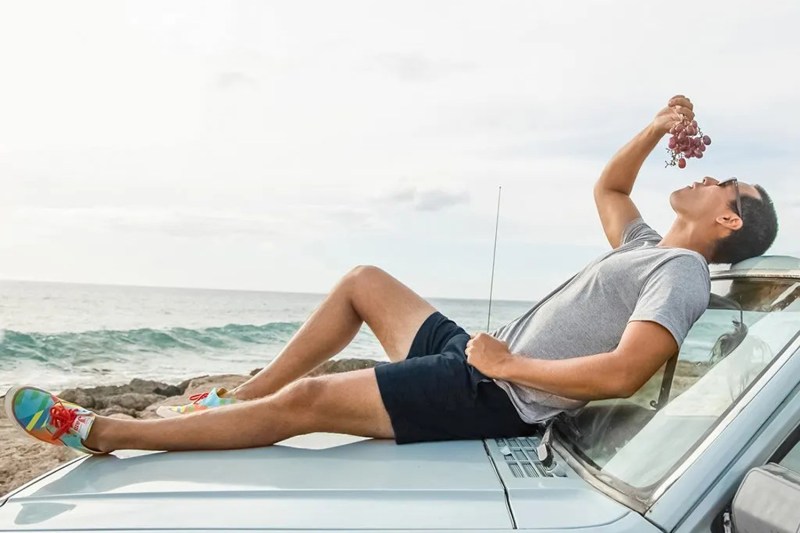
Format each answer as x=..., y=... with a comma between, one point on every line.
x=675, y=197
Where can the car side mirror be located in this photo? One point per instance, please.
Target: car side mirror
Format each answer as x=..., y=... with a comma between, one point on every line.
x=767, y=501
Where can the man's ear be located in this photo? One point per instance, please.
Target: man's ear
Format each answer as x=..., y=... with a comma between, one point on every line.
x=730, y=221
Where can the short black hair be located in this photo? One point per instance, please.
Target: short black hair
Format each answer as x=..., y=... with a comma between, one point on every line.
x=756, y=234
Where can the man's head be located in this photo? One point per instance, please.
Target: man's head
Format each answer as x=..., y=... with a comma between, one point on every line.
x=711, y=207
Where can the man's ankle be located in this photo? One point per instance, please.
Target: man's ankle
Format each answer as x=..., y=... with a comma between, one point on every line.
x=96, y=440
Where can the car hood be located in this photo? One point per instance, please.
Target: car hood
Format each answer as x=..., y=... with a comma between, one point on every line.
x=315, y=482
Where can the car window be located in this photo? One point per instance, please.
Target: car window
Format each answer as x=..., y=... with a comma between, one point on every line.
x=792, y=459
x=640, y=440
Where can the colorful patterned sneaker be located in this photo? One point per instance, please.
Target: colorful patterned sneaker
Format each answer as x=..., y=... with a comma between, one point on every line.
x=200, y=402
x=48, y=418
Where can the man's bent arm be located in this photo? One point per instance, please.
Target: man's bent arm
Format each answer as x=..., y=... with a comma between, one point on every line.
x=612, y=191
x=644, y=348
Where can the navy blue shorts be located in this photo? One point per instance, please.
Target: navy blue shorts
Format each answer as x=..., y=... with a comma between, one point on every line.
x=435, y=395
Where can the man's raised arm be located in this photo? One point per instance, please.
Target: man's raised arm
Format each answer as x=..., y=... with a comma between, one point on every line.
x=612, y=191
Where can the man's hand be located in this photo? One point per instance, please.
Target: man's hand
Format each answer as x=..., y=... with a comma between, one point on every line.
x=487, y=354
x=678, y=108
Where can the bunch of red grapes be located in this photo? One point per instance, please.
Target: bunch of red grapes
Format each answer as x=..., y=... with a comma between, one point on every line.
x=687, y=141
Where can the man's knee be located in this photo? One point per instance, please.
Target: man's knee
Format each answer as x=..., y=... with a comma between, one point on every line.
x=365, y=279
x=303, y=396
x=365, y=274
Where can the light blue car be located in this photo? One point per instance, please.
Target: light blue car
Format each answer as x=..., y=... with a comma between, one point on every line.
x=709, y=444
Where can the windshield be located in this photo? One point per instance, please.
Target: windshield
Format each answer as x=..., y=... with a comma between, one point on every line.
x=639, y=440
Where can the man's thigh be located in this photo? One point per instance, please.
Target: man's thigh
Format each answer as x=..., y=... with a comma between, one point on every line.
x=392, y=311
x=349, y=402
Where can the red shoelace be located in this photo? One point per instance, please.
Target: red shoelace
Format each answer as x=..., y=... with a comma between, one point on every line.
x=197, y=397
x=62, y=418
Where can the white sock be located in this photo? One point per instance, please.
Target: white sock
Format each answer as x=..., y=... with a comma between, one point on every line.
x=83, y=425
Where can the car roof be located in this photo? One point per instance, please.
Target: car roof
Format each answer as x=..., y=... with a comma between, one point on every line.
x=783, y=266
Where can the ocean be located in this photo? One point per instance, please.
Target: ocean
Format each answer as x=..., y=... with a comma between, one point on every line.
x=59, y=335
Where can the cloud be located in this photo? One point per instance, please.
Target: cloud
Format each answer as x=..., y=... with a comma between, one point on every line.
x=415, y=67
x=232, y=79
x=426, y=199
x=180, y=222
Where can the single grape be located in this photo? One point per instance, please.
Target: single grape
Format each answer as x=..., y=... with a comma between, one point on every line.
x=691, y=130
x=672, y=142
x=681, y=163
x=702, y=147
x=694, y=123
x=681, y=135
x=706, y=140
x=698, y=155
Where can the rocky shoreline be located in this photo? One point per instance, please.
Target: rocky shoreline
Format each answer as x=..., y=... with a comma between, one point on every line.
x=22, y=458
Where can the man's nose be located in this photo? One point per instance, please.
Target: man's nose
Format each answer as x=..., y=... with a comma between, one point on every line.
x=710, y=181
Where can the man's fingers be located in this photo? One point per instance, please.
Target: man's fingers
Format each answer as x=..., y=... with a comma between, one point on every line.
x=680, y=100
x=685, y=111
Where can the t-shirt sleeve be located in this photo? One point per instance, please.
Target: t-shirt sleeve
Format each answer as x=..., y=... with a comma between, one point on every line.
x=638, y=230
x=675, y=295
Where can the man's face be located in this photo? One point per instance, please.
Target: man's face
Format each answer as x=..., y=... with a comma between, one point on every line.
x=707, y=200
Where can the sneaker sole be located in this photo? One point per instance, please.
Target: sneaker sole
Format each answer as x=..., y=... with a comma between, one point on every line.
x=165, y=412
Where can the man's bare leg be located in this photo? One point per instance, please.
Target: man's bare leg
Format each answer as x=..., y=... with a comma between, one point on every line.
x=343, y=403
x=366, y=294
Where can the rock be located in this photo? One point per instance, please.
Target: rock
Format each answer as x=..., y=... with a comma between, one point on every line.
x=343, y=365
x=183, y=385
x=169, y=390
x=120, y=416
x=144, y=386
x=79, y=396
x=138, y=386
x=117, y=410
x=206, y=383
x=336, y=366
x=130, y=400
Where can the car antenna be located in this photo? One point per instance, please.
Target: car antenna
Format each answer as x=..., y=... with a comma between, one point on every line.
x=494, y=256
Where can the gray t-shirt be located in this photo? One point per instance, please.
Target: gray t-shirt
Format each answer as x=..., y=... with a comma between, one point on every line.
x=588, y=313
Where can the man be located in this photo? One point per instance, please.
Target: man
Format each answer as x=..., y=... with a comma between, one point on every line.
x=602, y=334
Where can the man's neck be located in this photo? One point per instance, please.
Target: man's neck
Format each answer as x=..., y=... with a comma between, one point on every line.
x=684, y=234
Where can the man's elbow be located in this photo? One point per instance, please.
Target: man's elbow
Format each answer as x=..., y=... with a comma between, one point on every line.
x=626, y=391
x=625, y=386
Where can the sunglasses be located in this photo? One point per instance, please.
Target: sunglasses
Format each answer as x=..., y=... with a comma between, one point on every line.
x=735, y=183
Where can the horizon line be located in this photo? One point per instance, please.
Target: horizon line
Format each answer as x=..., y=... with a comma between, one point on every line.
x=185, y=288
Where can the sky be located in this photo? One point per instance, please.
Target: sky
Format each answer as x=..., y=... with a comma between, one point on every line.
x=276, y=145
